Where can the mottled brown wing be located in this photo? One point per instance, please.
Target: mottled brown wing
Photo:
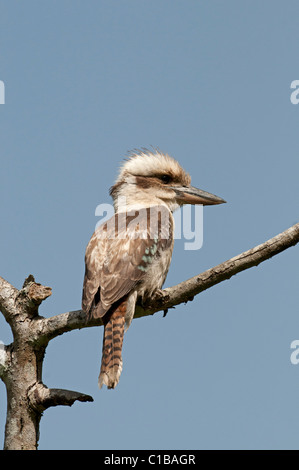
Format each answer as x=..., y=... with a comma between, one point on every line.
x=120, y=253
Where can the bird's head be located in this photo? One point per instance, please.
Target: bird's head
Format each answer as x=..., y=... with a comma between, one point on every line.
x=154, y=178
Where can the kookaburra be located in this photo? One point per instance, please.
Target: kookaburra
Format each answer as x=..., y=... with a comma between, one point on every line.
x=128, y=256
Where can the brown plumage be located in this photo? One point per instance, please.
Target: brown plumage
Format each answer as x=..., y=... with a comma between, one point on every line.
x=128, y=257
x=114, y=327
x=119, y=259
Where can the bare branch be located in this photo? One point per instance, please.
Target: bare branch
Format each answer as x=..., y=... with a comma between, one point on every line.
x=31, y=296
x=42, y=397
x=8, y=294
x=186, y=290
x=183, y=292
x=46, y=329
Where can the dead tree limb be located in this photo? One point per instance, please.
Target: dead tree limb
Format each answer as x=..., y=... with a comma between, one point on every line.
x=21, y=366
x=183, y=292
x=21, y=361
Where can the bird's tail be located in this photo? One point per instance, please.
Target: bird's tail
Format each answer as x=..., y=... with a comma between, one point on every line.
x=111, y=366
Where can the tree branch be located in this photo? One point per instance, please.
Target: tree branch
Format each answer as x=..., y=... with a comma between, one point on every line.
x=21, y=366
x=42, y=397
x=49, y=328
x=31, y=296
x=186, y=290
x=8, y=294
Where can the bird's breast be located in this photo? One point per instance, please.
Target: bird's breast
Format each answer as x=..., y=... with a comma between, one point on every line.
x=156, y=273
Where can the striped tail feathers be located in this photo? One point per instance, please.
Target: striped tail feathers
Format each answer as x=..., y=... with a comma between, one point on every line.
x=111, y=366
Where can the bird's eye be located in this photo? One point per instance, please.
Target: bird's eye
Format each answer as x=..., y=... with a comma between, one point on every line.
x=165, y=178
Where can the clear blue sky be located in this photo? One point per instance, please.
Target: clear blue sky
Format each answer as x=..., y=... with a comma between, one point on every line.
x=209, y=83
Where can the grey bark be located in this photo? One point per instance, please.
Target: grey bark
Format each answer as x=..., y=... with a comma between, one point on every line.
x=21, y=366
x=21, y=362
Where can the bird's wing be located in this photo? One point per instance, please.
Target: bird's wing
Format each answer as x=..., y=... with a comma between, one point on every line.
x=120, y=253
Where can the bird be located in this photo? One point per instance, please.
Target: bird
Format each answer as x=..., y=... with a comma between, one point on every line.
x=128, y=256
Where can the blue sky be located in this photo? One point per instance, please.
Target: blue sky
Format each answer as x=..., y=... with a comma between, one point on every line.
x=209, y=83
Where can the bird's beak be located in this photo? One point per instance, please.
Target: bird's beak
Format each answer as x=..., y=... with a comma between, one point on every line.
x=191, y=195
